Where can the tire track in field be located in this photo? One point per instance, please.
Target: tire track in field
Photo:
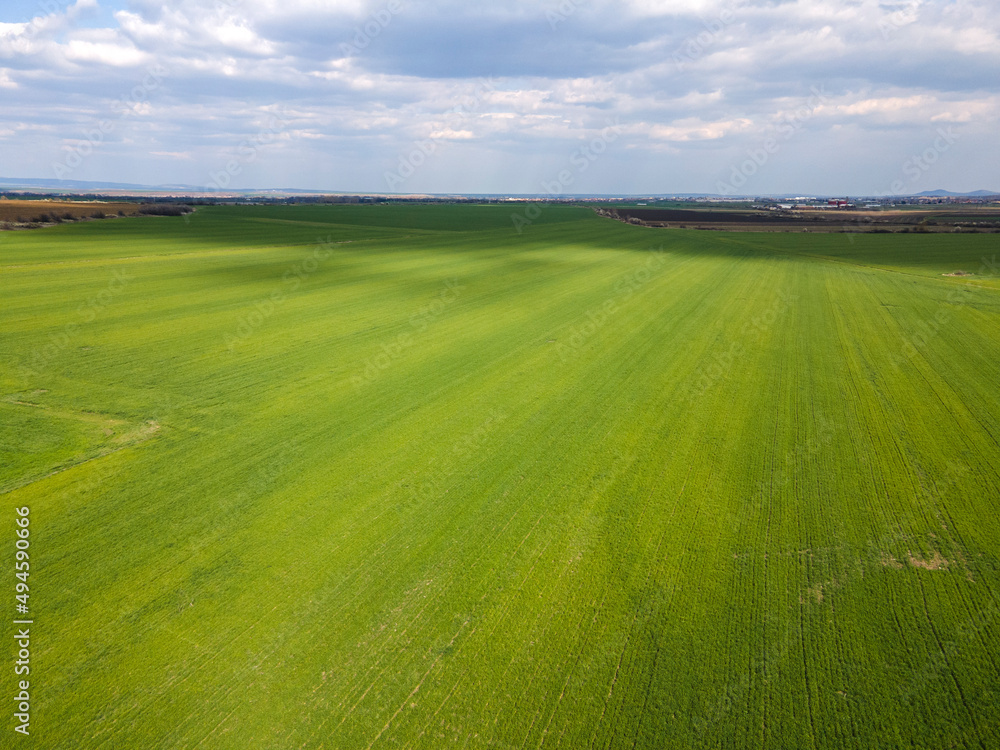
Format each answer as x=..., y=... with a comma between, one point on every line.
x=796, y=375
x=656, y=656
x=430, y=720
x=178, y=680
x=596, y=609
x=637, y=332
x=871, y=412
x=385, y=651
x=501, y=615
x=950, y=670
x=498, y=537
x=383, y=646
x=415, y=689
x=949, y=409
x=599, y=609
x=523, y=505
x=635, y=616
x=540, y=663
x=596, y=423
x=287, y=633
x=582, y=584
x=531, y=628
x=387, y=545
x=534, y=625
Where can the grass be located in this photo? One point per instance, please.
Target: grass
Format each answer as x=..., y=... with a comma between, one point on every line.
x=361, y=477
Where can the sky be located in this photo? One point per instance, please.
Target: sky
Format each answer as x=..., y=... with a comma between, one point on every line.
x=506, y=96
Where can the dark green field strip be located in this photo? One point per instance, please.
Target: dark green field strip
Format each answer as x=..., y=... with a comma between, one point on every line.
x=929, y=256
x=208, y=230
x=602, y=497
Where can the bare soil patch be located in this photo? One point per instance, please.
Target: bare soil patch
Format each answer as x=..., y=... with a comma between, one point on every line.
x=804, y=220
x=23, y=212
x=936, y=562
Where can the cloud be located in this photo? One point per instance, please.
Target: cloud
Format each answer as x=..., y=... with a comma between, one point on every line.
x=107, y=54
x=452, y=135
x=693, y=129
x=513, y=85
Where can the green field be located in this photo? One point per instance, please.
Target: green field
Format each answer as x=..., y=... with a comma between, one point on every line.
x=403, y=477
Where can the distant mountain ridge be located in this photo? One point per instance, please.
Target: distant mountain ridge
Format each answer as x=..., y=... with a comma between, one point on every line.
x=949, y=194
x=46, y=184
x=84, y=186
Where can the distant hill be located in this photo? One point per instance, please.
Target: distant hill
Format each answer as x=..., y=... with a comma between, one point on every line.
x=82, y=186
x=949, y=194
x=44, y=185
x=65, y=185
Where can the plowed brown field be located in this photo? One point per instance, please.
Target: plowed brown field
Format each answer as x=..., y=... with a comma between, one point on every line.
x=25, y=211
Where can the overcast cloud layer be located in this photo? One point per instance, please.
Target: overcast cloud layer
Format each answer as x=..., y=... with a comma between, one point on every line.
x=577, y=96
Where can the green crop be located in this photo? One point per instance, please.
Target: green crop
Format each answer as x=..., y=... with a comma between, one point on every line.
x=404, y=476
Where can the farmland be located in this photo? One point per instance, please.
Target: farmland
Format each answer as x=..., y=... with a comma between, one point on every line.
x=402, y=476
x=46, y=211
x=904, y=219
